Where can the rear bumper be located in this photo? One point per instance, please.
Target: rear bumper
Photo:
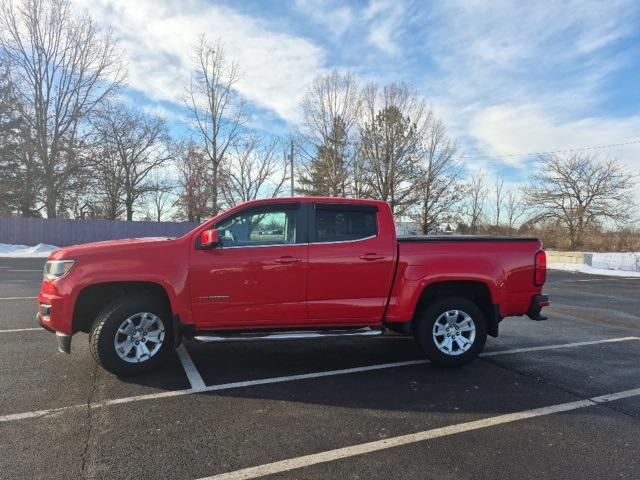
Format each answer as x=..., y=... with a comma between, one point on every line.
x=537, y=303
x=63, y=340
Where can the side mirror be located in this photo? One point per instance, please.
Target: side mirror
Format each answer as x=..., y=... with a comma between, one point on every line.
x=210, y=238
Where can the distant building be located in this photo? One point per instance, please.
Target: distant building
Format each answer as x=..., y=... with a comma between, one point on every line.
x=408, y=229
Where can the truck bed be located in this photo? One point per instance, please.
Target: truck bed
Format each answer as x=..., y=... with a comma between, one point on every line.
x=505, y=265
x=463, y=238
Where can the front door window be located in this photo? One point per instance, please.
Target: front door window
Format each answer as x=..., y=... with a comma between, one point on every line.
x=259, y=228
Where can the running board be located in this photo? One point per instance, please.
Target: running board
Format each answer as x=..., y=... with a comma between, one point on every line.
x=286, y=335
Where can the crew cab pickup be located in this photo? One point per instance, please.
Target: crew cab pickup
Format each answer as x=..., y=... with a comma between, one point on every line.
x=289, y=269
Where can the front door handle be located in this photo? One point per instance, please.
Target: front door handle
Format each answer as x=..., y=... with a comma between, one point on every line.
x=288, y=259
x=369, y=257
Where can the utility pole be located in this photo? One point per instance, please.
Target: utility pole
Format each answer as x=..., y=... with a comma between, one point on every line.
x=293, y=193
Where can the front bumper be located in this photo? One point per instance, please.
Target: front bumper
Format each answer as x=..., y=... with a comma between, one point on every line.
x=537, y=303
x=55, y=306
x=63, y=340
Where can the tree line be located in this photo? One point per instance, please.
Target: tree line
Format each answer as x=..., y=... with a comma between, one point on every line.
x=72, y=146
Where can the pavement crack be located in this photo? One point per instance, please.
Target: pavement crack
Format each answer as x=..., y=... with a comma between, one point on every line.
x=84, y=456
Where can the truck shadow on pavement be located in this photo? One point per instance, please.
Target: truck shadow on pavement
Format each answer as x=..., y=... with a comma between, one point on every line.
x=488, y=386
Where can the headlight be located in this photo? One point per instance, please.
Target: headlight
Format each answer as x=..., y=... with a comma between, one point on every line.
x=54, y=269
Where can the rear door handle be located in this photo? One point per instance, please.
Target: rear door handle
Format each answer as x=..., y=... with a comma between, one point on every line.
x=369, y=257
x=288, y=259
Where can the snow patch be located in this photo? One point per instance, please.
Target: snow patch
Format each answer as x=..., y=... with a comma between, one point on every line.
x=25, y=251
x=576, y=267
x=628, y=261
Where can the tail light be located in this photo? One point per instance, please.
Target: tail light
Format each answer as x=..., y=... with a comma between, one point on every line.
x=540, y=268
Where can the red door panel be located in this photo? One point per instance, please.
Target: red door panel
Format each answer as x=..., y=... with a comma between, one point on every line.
x=349, y=281
x=249, y=287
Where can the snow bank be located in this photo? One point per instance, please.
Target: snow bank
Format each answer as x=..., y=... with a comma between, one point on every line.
x=576, y=267
x=24, y=251
x=629, y=261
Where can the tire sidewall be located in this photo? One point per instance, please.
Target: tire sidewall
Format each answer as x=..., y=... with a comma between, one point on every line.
x=109, y=320
x=428, y=318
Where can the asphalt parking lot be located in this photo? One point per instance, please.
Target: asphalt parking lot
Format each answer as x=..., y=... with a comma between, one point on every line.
x=554, y=399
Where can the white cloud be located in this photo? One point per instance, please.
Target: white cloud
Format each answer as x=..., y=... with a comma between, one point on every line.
x=158, y=37
x=509, y=130
x=385, y=18
x=507, y=76
x=380, y=22
x=515, y=77
x=508, y=50
x=334, y=17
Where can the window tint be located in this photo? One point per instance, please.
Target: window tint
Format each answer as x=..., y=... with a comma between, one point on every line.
x=255, y=227
x=336, y=225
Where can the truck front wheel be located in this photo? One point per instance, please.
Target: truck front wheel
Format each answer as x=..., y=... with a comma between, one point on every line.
x=452, y=331
x=131, y=335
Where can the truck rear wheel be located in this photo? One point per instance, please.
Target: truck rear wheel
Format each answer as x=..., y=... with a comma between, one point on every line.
x=452, y=331
x=131, y=335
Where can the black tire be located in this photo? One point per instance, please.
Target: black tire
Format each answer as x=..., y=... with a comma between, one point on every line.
x=425, y=338
x=105, y=327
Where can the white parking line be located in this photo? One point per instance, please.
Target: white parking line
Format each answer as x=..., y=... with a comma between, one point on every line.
x=26, y=270
x=605, y=280
x=556, y=347
x=14, y=330
x=272, y=380
x=195, y=379
x=363, y=448
x=18, y=298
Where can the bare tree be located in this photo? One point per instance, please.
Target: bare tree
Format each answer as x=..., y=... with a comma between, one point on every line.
x=254, y=170
x=194, y=194
x=394, y=123
x=330, y=109
x=159, y=196
x=477, y=192
x=108, y=185
x=499, y=198
x=441, y=185
x=134, y=144
x=216, y=108
x=515, y=209
x=580, y=191
x=62, y=66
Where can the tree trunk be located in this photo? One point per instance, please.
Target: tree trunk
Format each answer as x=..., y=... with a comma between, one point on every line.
x=214, y=190
x=129, y=207
x=51, y=199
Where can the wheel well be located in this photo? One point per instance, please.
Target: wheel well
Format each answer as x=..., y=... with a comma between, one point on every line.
x=95, y=297
x=477, y=292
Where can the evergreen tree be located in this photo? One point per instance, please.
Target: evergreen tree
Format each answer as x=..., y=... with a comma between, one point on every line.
x=390, y=149
x=18, y=174
x=328, y=172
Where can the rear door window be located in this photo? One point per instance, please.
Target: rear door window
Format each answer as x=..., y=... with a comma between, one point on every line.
x=334, y=223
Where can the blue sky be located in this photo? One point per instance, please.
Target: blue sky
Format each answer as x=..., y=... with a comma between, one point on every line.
x=507, y=77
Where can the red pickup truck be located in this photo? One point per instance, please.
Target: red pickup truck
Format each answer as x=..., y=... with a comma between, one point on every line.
x=287, y=269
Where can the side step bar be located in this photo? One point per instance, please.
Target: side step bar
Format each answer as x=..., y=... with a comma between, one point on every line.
x=286, y=335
